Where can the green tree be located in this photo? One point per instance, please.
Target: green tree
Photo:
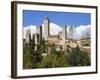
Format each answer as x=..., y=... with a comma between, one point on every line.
x=27, y=62
x=54, y=59
x=78, y=57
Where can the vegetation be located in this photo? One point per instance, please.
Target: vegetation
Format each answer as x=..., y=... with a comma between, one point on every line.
x=78, y=57
x=47, y=56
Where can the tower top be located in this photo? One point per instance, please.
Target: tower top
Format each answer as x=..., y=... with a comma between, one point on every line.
x=46, y=17
x=28, y=31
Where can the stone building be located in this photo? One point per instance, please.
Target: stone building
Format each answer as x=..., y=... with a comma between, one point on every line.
x=28, y=34
x=46, y=27
x=39, y=32
x=61, y=39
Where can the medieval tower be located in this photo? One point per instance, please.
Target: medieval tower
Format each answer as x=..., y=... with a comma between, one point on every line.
x=46, y=28
x=39, y=31
x=64, y=36
x=28, y=36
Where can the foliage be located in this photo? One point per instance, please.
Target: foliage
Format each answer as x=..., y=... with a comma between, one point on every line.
x=78, y=57
x=27, y=58
x=70, y=57
x=53, y=60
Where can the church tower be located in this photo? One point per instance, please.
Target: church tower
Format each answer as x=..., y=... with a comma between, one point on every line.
x=46, y=28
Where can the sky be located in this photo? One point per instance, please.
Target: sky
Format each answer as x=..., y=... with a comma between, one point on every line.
x=31, y=17
x=80, y=21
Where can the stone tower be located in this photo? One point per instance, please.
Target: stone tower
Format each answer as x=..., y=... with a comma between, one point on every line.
x=28, y=36
x=39, y=31
x=64, y=33
x=46, y=28
x=70, y=31
x=36, y=39
x=64, y=37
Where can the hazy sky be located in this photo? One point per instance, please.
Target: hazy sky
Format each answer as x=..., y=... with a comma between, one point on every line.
x=31, y=17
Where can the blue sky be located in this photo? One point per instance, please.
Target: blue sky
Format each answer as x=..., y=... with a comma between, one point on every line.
x=31, y=17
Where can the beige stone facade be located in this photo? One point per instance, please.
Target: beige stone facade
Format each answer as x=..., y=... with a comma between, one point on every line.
x=46, y=28
x=27, y=36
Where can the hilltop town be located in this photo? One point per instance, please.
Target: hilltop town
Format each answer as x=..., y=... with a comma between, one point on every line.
x=47, y=51
x=61, y=40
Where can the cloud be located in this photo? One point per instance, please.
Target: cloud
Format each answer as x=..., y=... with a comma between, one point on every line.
x=54, y=29
x=82, y=31
x=31, y=27
x=79, y=32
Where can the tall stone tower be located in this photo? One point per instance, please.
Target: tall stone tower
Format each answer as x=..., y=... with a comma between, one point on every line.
x=70, y=31
x=46, y=28
x=39, y=31
x=64, y=37
x=36, y=39
x=28, y=36
x=64, y=33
